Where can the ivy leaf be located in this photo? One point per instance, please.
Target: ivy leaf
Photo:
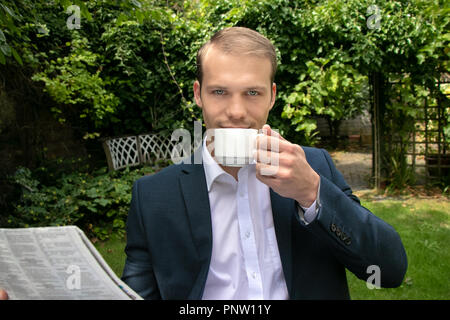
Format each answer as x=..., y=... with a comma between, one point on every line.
x=136, y=3
x=102, y=202
x=5, y=49
x=16, y=56
x=2, y=37
x=420, y=58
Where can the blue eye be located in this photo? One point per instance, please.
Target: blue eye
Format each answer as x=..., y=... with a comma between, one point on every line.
x=253, y=93
x=219, y=92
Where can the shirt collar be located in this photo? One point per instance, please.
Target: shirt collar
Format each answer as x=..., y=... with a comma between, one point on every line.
x=211, y=167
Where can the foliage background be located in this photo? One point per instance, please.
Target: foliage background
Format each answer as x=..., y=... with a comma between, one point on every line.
x=133, y=62
x=130, y=68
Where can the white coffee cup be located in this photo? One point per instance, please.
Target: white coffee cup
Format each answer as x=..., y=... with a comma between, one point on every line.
x=234, y=147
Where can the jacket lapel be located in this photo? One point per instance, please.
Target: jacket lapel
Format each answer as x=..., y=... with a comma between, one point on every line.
x=195, y=194
x=282, y=210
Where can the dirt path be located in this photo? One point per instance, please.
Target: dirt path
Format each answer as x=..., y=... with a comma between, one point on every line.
x=356, y=167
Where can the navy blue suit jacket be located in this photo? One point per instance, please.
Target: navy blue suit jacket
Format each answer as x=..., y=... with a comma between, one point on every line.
x=169, y=237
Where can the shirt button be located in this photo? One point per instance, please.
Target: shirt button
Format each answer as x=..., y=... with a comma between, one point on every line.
x=247, y=234
x=254, y=275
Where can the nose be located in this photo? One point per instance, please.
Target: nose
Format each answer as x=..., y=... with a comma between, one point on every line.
x=236, y=109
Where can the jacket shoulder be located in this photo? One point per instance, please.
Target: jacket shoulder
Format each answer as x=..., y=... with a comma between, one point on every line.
x=314, y=155
x=312, y=151
x=320, y=160
x=166, y=175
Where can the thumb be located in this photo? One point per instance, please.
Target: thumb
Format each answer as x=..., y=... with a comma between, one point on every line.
x=3, y=295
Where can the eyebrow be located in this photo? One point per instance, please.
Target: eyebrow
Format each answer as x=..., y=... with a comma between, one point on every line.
x=215, y=87
x=258, y=88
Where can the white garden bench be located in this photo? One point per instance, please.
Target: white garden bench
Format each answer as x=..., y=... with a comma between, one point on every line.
x=129, y=151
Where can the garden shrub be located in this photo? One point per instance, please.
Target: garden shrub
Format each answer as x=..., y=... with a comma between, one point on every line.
x=97, y=202
x=129, y=69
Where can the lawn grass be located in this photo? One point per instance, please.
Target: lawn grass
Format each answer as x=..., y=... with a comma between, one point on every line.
x=423, y=225
x=113, y=251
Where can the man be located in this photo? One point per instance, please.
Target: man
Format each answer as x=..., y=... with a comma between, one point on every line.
x=207, y=231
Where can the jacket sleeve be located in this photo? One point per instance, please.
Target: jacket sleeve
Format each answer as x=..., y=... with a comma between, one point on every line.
x=138, y=271
x=356, y=236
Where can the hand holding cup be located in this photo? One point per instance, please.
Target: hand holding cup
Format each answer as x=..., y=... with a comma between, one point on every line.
x=282, y=166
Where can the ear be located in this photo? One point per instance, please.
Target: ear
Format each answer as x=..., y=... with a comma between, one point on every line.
x=197, y=94
x=274, y=95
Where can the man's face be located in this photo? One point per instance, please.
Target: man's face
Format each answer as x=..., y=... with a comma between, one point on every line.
x=236, y=90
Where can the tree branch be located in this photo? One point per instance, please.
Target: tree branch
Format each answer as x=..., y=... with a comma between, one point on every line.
x=168, y=67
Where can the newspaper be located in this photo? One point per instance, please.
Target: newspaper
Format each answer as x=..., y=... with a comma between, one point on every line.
x=56, y=263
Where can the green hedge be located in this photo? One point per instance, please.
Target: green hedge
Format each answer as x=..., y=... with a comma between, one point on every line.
x=97, y=202
x=129, y=69
x=133, y=61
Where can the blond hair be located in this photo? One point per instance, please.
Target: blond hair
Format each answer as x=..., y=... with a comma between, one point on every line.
x=239, y=40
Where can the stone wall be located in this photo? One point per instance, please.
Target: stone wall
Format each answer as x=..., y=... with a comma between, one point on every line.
x=361, y=125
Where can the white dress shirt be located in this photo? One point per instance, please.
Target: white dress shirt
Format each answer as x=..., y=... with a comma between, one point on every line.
x=245, y=262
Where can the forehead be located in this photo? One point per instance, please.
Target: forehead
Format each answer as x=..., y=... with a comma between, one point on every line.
x=246, y=69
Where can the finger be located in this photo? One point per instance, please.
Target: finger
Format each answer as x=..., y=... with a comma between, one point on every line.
x=267, y=130
x=267, y=143
x=271, y=143
x=266, y=172
x=267, y=157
